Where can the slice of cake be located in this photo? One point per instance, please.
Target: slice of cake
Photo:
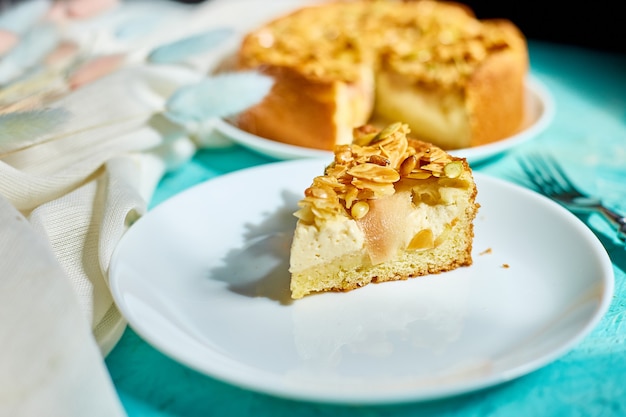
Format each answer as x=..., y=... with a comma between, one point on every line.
x=457, y=81
x=387, y=208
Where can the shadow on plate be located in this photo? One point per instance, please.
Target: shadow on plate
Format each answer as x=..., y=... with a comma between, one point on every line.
x=260, y=267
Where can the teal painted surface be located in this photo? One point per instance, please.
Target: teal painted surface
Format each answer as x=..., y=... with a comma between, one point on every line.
x=588, y=135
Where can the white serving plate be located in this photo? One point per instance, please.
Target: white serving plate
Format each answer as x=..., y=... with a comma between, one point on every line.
x=203, y=278
x=539, y=114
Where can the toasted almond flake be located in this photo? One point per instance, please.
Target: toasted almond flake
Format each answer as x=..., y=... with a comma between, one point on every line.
x=365, y=173
x=374, y=173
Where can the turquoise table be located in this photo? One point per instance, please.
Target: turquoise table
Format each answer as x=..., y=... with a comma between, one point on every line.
x=589, y=133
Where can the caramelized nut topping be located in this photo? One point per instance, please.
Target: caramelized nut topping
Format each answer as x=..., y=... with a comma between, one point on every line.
x=359, y=210
x=374, y=173
x=434, y=42
x=453, y=169
x=379, y=160
x=386, y=132
x=362, y=172
x=408, y=165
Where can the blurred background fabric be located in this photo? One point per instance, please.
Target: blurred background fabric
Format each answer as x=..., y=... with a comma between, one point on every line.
x=99, y=99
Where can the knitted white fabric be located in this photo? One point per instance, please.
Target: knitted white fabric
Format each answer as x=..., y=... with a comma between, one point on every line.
x=77, y=168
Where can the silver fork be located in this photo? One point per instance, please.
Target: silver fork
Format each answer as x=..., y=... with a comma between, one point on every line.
x=550, y=180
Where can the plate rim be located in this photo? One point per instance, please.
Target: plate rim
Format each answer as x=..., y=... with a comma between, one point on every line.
x=283, y=151
x=605, y=273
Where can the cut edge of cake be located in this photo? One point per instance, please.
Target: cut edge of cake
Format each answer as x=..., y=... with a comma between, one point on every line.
x=471, y=85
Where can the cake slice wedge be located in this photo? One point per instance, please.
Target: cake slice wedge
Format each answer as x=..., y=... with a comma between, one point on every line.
x=387, y=208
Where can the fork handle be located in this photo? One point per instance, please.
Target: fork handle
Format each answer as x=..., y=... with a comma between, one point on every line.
x=616, y=220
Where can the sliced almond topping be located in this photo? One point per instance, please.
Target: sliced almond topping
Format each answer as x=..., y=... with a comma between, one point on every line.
x=379, y=160
x=420, y=175
x=364, y=172
x=374, y=173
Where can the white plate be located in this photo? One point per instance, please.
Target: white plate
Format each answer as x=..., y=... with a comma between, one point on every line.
x=539, y=114
x=203, y=277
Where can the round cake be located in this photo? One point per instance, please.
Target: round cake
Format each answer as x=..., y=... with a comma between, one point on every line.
x=455, y=80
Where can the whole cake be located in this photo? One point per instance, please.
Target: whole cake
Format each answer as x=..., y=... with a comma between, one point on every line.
x=387, y=208
x=456, y=80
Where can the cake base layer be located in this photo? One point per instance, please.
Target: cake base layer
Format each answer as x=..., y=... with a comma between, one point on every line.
x=354, y=270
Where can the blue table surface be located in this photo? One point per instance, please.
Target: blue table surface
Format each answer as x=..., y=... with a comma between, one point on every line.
x=588, y=133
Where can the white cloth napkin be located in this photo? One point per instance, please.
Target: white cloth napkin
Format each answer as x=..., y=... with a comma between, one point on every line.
x=65, y=203
x=50, y=364
x=77, y=168
x=82, y=185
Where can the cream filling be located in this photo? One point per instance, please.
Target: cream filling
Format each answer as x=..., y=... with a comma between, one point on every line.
x=312, y=247
x=343, y=236
x=433, y=116
x=355, y=103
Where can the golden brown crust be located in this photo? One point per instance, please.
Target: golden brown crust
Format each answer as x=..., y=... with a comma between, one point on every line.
x=294, y=105
x=495, y=92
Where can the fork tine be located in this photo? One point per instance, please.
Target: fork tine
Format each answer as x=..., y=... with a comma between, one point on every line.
x=535, y=171
x=531, y=174
x=546, y=175
x=563, y=178
x=551, y=180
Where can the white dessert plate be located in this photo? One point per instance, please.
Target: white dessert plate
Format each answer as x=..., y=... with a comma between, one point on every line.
x=203, y=277
x=539, y=114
